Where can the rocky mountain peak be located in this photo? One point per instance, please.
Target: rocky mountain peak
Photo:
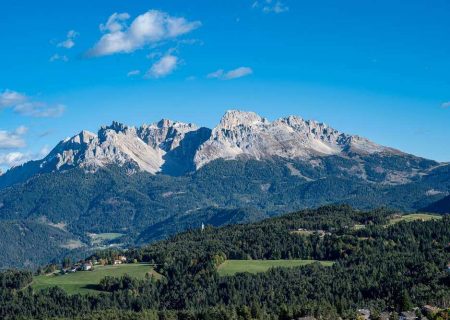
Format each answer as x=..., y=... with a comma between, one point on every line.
x=175, y=147
x=85, y=137
x=247, y=134
x=234, y=118
x=165, y=134
x=115, y=126
x=167, y=123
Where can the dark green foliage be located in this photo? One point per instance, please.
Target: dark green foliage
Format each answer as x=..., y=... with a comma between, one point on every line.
x=146, y=207
x=15, y=280
x=405, y=302
x=377, y=267
x=441, y=206
x=28, y=244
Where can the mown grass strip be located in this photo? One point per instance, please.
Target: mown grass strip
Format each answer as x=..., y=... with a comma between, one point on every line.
x=86, y=281
x=231, y=267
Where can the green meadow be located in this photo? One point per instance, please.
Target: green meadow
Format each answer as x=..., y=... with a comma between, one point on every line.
x=85, y=281
x=101, y=237
x=415, y=217
x=231, y=267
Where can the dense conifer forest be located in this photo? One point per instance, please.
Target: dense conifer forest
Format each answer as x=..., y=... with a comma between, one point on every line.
x=147, y=207
x=379, y=266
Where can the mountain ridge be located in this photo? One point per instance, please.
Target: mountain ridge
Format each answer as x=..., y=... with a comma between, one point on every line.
x=178, y=148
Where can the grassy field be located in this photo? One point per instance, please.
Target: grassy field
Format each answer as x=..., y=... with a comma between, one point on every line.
x=415, y=217
x=85, y=281
x=231, y=267
x=97, y=238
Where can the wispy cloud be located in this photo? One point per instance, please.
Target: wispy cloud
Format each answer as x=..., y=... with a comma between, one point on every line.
x=163, y=67
x=9, y=98
x=271, y=6
x=13, y=139
x=232, y=74
x=16, y=158
x=13, y=159
x=58, y=57
x=24, y=105
x=115, y=23
x=69, y=43
x=216, y=74
x=10, y=140
x=133, y=73
x=146, y=29
x=445, y=105
x=40, y=109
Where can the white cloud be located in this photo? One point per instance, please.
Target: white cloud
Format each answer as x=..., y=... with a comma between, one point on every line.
x=13, y=159
x=238, y=73
x=216, y=74
x=116, y=22
x=16, y=158
x=133, y=73
x=39, y=110
x=446, y=105
x=146, y=29
x=10, y=98
x=69, y=43
x=232, y=74
x=59, y=57
x=163, y=67
x=13, y=139
x=25, y=106
x=21, y=130
x=271, y=6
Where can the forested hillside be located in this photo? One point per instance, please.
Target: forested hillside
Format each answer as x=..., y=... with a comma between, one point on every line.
x=381, y=263
x=28, y=244
x=147, y=207
x=441, y=206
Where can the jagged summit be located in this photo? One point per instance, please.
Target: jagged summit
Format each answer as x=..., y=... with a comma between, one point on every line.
x=144, y=147
x=247, y=134
x=234, y=118
x=115, y=126
x=175, y=148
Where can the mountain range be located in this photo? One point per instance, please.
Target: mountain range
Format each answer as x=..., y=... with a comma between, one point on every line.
x=177, y=148
x=145, y=183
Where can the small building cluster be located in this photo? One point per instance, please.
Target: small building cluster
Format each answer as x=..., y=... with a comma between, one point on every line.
x=89, y=265
x=120, y=260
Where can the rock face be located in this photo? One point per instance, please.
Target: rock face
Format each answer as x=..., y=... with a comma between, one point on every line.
x=176, y=148
x=144, y=148
x=247, y=134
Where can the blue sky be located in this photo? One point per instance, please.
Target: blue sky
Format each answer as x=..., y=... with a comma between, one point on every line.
x=380, y=69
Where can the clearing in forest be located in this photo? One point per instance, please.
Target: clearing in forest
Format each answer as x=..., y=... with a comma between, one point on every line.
x=231, y=267
x=86, y=281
